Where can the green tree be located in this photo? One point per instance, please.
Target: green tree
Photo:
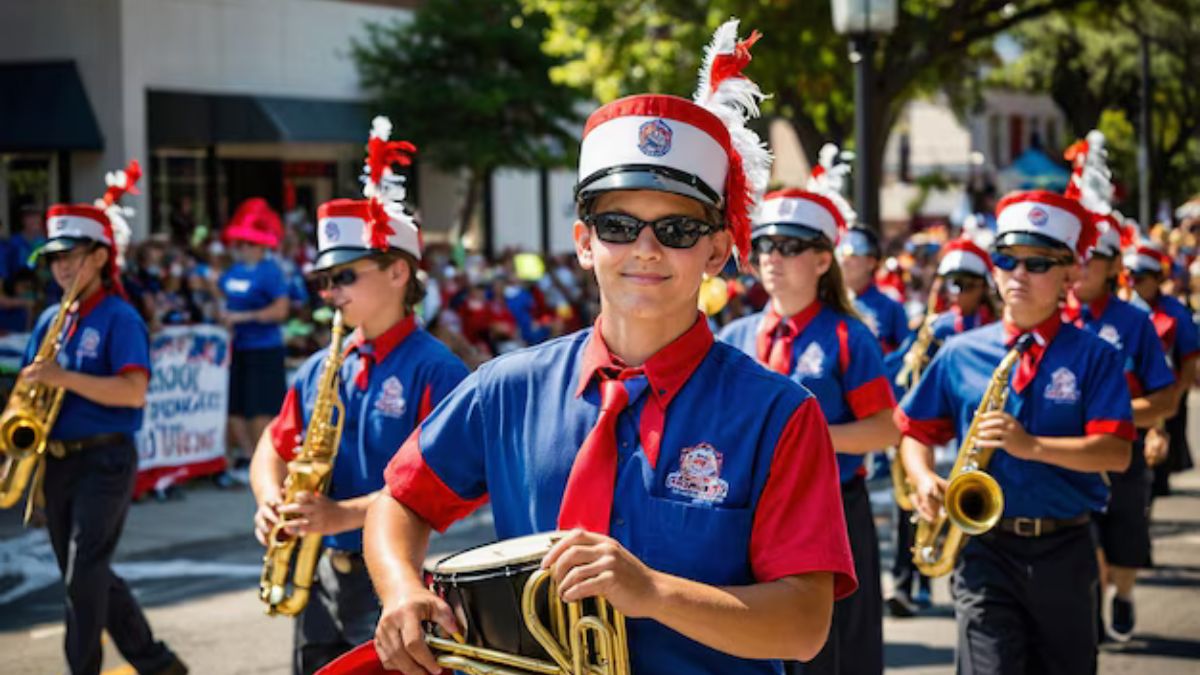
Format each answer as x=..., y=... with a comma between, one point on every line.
x=1088, y=60
x=468, y=83
x=616, y=47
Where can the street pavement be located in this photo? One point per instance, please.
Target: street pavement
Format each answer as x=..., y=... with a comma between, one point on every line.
x=194, y=565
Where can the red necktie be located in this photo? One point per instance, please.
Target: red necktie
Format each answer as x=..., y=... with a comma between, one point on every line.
x=1031, y=354
x=366, y=359
x=587, y=501
x=780, y=359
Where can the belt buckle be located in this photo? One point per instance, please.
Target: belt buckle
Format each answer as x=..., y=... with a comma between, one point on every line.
x=56, y=449
x=340, y=560
x=1027, y=527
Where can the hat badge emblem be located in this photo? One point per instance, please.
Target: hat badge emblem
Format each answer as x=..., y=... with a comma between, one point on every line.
x=1038, y=216
x=332, y=231
x=654, y=138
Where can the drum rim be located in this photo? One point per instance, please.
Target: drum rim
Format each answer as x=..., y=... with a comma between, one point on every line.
x=490, y=569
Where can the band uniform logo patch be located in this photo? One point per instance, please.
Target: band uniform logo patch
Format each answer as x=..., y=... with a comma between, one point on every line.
x=391, y=398
x=699, y=475
x=654, y=138
x=811, y=361
x=1110, y=335
x=1062, y=387
x=238, y=286
x=89, y=344
x=1038, y=216
x=332, y=231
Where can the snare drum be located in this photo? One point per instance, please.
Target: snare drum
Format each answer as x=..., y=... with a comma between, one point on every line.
x=484, y=586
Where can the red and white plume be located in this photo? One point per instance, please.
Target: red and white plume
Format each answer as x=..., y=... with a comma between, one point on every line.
x=382, y=186
x=725, y=92
x=119, y=183
x=828, y=179
x=1091, y=179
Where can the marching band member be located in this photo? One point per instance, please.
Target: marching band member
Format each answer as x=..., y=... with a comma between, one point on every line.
x=963, y=270
x=811, y=333
x=858, y=254
x=104, y=366
x=702, y=488
x=393, y=376
x=1148, y=268
x=1024, y=592
x=1124, y=526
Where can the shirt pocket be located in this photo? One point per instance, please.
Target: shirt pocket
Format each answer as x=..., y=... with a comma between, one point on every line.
x=709, y=544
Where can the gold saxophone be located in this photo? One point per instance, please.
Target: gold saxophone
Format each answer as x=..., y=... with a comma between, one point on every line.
x=973, y=502
x=582, y=639
x=915, y=360
x=290, y=562
x=29, y=416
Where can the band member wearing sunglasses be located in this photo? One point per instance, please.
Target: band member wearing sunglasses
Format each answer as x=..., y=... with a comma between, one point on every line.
x=393, y=376
x=256, y=305
x=91, y=462
x=1148, y=268
x=810, y=332
x=1024, y=592
x=858, y=254
x=964, y=271
x=1124, y=526
x=699, y=488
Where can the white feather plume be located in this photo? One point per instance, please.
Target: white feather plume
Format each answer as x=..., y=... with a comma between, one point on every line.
x=1095, y=180
x=830, y=180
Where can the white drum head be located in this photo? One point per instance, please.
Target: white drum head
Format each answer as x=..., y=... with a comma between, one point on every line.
x=521, y=550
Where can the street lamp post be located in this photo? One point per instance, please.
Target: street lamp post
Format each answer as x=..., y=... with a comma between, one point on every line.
x=862, y=20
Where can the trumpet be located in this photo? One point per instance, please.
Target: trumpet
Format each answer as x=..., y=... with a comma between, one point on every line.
x=30, y=415
x=290, y=562
x=973, y=502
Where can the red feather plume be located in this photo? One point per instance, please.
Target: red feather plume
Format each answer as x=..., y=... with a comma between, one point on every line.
x=381, y=154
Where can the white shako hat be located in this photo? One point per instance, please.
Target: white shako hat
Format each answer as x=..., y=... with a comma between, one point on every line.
x=963, y=255
x=349, y=229
x=819, y=211
x=700, y=148
x=1145, y=258
x=1044, y=218
x=68, y=225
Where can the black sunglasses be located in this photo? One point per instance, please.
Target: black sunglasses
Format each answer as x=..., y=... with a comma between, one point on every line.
x=964, y=282
x=788, y=247
x=1034, y=264
x=341, y=278
x=671, y=231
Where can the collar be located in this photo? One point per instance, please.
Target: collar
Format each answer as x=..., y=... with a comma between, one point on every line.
x=92, y=301
x=667, y=370
x=387, y=341
x=1073, y=309
x=798, y=322
x=1043, y=333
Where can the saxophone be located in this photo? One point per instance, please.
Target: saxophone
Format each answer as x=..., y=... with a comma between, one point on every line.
x=30, y=414
x=915, y=360
x=290, y=562
x=973, y=503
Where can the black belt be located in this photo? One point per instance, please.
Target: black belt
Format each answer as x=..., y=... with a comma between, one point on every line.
x=61, y=449
x=1041, y=527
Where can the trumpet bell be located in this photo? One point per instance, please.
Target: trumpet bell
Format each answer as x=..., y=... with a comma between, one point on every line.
x=974, y=502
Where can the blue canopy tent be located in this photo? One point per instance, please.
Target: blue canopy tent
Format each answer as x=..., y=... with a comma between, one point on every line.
x=1035, y=170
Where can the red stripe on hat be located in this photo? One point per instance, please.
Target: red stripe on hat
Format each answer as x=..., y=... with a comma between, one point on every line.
x=79, y=211
x=669, y=107
x=344, y=208
x=821, y=200
x=968, y=246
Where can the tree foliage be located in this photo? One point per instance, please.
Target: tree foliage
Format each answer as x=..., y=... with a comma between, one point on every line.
x=616, y=47
x=1089, y=62
x=468, y=82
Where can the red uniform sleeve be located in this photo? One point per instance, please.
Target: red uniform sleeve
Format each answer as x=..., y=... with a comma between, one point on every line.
x=930, y=432
x=285, y=429
x=413, y=483
x=799, y=526
x=871, y=397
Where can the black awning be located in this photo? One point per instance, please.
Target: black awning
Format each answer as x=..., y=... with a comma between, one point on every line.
x=43, y=106
x=188, y=119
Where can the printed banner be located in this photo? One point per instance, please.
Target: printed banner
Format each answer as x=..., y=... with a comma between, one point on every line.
x=183, y=432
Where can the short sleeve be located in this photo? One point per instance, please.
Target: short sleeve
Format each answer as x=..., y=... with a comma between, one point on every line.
x=439, y=472
x=864, y=379
x=1150, y=362
x=799, y=526
x=129, y=343
x=273, y=282
x=1107, y=408
x=1187, y=338
x=926, y=413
